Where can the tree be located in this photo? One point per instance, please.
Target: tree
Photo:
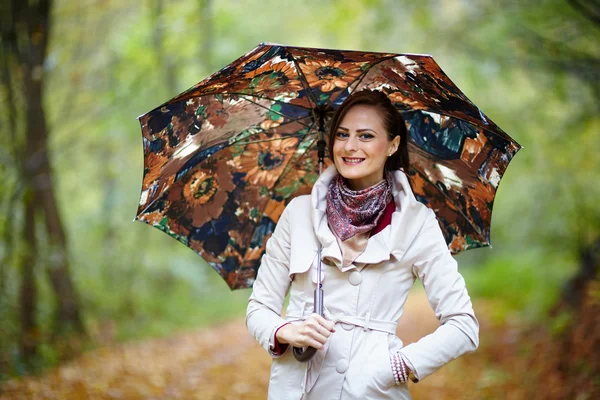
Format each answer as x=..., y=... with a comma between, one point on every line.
x=24, y=37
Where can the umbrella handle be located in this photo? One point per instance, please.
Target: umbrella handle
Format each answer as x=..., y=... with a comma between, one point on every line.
x=303, y=354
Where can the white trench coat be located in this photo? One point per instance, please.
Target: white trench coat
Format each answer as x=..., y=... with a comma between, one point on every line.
x=365, y=299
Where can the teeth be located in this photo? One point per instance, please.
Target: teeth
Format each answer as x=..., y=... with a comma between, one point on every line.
x=353, y=160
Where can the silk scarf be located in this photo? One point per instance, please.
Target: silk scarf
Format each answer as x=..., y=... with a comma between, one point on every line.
x=351, y=214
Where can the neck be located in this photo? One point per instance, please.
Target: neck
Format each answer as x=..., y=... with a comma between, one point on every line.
x=359, y=184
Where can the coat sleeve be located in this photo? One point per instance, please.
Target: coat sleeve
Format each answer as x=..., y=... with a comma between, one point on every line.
x=458, y=332
x=263, y=315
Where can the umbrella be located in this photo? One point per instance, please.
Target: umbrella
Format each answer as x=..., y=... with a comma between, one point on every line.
x=222, y=159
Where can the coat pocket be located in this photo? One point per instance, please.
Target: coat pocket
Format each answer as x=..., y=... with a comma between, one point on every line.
x=382, y=376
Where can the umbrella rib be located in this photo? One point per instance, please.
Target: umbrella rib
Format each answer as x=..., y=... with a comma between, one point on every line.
x=449, y=200
x=287, y=167
x=253, y=95
x=362, y=76
x=306, y=85
x=225, y=93
x=239, y=141
x=153, y=202
x=208, y=79
x=272, y=139
x=276, y=112
x=477, y=230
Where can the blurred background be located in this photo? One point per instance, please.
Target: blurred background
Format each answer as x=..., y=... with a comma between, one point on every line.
x=93, y=305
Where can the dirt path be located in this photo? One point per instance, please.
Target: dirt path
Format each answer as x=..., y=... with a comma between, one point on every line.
x=221, y=362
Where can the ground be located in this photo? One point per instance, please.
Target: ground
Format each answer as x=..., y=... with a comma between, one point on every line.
x=224, y=362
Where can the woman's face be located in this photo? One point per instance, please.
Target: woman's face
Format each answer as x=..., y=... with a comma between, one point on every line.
x=361, y=146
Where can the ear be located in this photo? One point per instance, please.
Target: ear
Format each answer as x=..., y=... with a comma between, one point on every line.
x=394, y=145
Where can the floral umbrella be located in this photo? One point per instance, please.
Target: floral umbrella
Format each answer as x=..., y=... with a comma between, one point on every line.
x=222, y=159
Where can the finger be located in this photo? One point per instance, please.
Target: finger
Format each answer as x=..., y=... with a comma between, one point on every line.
x=317, y=345
x=317, y=318
x=324, y=331
x=329, y=325
x=313, y=324
x=318, y=334
x=303, y=337
x=312, y=329
x=310, y=341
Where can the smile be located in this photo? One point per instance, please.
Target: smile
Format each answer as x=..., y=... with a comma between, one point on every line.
x=352, y=161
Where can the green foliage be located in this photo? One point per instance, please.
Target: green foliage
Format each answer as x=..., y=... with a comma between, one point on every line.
x=526, y=286
x=106, y=66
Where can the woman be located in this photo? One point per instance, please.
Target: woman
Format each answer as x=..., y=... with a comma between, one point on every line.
x=376, y=240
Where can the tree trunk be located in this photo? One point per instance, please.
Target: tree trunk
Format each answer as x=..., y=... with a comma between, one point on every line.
x=28, y=297
x=589, y=264
x=13, y=199
x=38, y=169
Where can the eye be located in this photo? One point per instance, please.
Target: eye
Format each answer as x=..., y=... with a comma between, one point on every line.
x=367, y=136
x=341, y=135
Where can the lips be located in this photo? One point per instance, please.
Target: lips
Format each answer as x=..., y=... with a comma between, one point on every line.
x=352, y=160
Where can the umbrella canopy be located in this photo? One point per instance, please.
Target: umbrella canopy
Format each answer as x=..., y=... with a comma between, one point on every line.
x=222, y=159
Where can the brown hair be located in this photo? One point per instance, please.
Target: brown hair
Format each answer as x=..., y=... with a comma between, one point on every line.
x=392, y=121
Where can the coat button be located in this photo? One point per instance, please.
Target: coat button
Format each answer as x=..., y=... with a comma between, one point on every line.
x=355, y=278
x=341, y=366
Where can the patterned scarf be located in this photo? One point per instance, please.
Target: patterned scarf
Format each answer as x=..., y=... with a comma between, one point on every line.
x=351, y=212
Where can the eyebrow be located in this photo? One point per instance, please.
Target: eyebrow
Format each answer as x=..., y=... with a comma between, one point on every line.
x=358, y=130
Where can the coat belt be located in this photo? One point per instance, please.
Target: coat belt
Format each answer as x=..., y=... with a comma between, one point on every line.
x=366, y=323
x=362, y=322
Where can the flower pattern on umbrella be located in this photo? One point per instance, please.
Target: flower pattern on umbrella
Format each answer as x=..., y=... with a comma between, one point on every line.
x=328, y=75
x=222, y=159
x=264, y=159
x=270, y=78
x=201, y=194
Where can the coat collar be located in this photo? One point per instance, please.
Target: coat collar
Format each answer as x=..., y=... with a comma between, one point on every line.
x=394, y=239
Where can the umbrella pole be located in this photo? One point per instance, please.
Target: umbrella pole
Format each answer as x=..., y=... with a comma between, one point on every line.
x=319, y=289
x=301, y=354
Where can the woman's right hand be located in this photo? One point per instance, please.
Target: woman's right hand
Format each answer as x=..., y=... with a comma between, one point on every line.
x=312, y=332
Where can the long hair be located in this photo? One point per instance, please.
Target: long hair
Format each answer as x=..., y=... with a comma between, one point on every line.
x=392, y=121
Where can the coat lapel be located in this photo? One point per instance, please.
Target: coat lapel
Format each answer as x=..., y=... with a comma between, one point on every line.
x=393, y=240
x=407, y=220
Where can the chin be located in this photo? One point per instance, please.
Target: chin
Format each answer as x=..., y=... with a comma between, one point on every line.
x=352, y=174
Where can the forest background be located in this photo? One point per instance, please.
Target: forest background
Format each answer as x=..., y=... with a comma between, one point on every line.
x=76, y=274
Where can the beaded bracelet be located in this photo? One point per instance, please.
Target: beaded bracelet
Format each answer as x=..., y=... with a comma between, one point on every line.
x=395, y=369
x=399, y=368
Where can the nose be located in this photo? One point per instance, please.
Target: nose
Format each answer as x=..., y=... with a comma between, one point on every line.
x=351, y=144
